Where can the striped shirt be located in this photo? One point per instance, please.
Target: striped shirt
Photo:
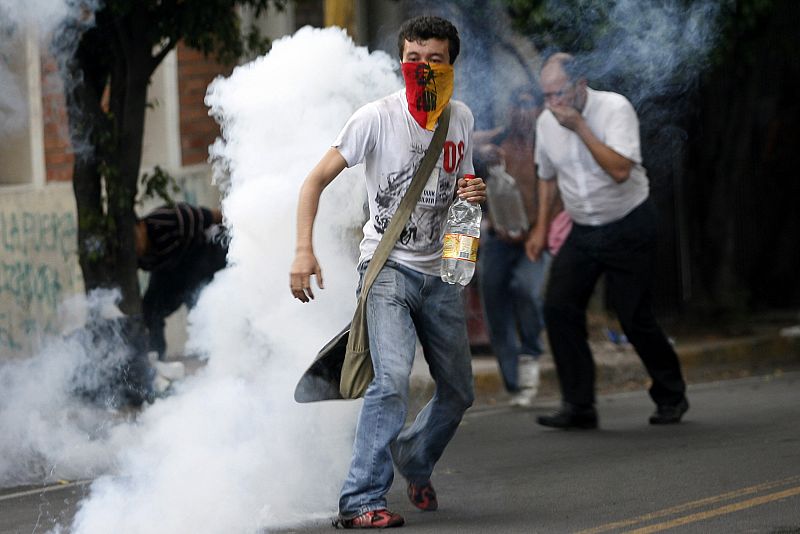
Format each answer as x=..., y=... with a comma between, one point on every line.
x=172, y=232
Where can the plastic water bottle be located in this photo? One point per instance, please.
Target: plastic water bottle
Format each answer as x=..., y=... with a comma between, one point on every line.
x=461, y=235
x=506, y=208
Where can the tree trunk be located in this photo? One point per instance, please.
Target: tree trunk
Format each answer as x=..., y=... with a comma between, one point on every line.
x=128, y=105
x=87, y=124
x=106, y=174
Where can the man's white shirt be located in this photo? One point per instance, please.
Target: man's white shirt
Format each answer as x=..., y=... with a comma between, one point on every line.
x=590, y=195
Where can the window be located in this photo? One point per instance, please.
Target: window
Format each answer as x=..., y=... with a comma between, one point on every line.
x=21, y=154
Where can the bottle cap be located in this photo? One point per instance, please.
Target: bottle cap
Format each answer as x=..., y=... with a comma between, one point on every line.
x=469, y=177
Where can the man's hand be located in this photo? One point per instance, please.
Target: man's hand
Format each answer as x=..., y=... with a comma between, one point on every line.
x=473, y=190
x=304, y=265
x=567, y=116
x=536, y=243
x=617, y=166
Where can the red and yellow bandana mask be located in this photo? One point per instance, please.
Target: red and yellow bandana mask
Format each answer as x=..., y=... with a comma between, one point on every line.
x=429, y=87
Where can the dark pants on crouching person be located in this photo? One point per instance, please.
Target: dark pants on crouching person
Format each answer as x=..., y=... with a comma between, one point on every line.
x=170, y=288
x=625, y=251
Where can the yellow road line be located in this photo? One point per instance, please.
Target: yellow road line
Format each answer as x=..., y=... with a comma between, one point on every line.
x=691, y=505
x=43, y=489
x=700, y=516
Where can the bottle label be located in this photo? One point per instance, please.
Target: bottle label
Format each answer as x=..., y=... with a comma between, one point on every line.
x=460, y=247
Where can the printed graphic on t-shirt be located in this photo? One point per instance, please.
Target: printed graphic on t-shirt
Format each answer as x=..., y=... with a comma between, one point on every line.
x=423, y=227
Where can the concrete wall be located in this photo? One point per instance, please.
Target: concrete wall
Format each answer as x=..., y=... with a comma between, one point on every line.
x=38, y=263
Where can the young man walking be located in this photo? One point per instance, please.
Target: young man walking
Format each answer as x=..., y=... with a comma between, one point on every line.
x=408, y=299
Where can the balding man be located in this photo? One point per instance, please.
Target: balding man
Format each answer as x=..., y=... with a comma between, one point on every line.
x=588, y=144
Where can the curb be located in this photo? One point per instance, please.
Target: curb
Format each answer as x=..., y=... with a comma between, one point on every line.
x=620, y=369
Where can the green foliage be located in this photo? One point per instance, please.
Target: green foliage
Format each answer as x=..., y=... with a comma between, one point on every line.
x=210, y=26
x=158, y=184
x=552, y=25
x=256, y=44
x=642, y=48
x=742, y=21
x=579, y=25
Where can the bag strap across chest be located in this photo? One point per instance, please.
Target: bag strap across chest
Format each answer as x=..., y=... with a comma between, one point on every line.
x=408, y=202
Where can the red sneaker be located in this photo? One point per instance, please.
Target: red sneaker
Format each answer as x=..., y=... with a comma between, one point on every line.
x=423, y=496
x=382, y=518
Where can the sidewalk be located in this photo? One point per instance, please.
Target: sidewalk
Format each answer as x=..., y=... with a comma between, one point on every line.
x=703, y=359
x=705, y=356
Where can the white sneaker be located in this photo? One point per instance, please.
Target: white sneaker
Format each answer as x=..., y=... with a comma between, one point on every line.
x=523, y=398
x=529, y=375
x=528, y=382
x=170, y=370
x=160, y=384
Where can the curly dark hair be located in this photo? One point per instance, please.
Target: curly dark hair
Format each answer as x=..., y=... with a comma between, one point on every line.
x=425, y=27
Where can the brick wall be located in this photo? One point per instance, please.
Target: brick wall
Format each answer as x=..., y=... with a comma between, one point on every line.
x=58, y=156
x=197, y=129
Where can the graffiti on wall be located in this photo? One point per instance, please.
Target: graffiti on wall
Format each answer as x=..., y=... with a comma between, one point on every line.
x=24, y=237
x=30, y=232
x=38, y=269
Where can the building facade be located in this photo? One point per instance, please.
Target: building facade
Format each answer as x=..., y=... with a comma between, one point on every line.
x=39, y=267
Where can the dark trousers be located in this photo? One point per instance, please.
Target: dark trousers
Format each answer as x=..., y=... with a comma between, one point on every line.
x=169, y=288
x=625, y=251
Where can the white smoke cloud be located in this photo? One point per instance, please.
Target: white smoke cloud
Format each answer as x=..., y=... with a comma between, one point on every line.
x=42, y=15
x=57, y=408
x=663, y=45
x=232, y=452
x=21, y=20
x=13, y=113
x=643, y=48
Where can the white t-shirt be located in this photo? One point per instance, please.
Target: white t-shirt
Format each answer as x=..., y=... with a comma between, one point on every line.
x=590, y=195
x=385, y=136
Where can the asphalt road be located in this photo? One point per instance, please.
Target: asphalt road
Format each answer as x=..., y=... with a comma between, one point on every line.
x=733, y=466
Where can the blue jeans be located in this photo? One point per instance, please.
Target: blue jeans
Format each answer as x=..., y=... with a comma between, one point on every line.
x=511, y=288
x=402, y=305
